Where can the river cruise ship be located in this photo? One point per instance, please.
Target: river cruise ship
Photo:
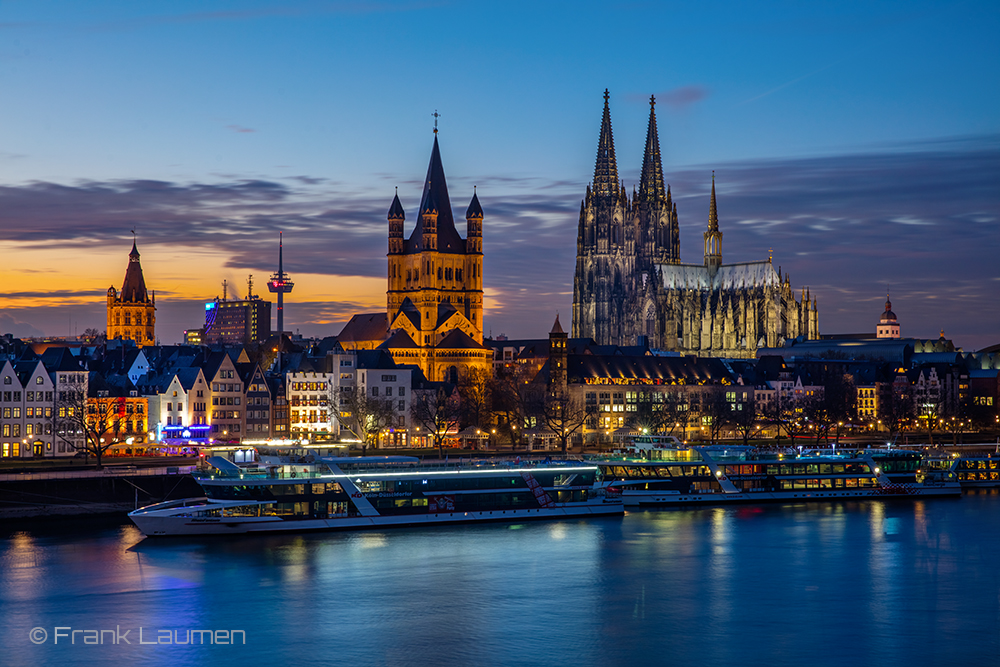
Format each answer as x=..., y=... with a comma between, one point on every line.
x=972, y=471
x=655, y=473
x=367, y=492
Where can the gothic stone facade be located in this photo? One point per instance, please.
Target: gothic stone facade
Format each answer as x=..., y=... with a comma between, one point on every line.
x=630, y=281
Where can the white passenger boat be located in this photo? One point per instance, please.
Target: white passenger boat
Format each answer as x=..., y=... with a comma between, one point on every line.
x=653, y=473
x=367, y=492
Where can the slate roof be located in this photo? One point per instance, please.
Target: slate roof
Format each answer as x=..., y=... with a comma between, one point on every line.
x=459, y=340
x=399, y=341
x=134, y=287
x=365, y=326
x=435, y=195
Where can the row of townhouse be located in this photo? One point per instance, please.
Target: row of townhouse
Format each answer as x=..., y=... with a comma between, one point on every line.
x=183, y=394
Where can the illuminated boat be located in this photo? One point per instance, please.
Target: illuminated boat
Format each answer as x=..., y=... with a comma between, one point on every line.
x=654, y=474
x=369, y=492
x=972, y=471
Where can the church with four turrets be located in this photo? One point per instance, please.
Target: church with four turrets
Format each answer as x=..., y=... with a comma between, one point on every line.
x=630, y=281
x=434, y=297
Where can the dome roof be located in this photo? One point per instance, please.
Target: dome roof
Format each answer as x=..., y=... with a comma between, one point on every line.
x=888, y=315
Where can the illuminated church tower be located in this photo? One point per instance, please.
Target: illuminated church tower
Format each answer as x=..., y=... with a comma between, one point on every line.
x=434, y=300
x=132, y=312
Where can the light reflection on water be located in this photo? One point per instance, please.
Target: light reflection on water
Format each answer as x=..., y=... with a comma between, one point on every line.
x=822, y=584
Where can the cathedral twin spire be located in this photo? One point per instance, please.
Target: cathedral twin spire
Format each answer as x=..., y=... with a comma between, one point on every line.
x=606, y=169
x=651, y=181
x=651, y=184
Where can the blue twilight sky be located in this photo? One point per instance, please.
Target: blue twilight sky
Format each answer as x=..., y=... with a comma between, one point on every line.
x=859, y=141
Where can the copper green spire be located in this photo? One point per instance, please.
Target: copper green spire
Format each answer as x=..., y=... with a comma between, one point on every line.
x=606, y=169
x=651, y=182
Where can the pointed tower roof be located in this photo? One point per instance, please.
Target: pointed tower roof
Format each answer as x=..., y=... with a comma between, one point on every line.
x=436, y=194
x=396, y=209
x=556, y=327
x=428, y=204
x=651, y=182
x=713, y=213
x=134, y=287
x=606, y=169
x=474, y=210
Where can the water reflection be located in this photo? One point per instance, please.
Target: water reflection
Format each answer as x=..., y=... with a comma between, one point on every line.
x=823, y=584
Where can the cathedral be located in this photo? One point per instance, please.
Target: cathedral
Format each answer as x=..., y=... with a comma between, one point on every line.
x=132, y=312
x=630, y=281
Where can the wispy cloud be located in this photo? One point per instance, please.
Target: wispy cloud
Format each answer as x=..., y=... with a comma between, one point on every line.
x=677, y=98
x=922, y=219
x=240, y=128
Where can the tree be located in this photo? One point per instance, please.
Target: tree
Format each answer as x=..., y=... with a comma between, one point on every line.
x=90, y=425
x=792, y=417
x=474, y=387
x=564, y=415
x=439, y=411
x=744, y=418
x=363, y=415
x=656, y=412
x=93, y=336
x=515, y=399
x=840, y=397
x=718, y=410
x=894, y=409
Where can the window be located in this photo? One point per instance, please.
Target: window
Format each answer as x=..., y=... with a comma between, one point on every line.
x=39, y=380
x=374, y=391
x=402, y=405
x=6, y=379
x=388, y=391
x=402, y=391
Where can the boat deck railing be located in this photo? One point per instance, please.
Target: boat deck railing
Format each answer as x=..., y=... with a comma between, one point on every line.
x=320, y=470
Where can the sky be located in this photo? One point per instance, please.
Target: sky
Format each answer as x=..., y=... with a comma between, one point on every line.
x=856, y=142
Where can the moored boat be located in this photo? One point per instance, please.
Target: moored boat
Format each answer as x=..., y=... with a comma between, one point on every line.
x=652, y=473
x=366, y=492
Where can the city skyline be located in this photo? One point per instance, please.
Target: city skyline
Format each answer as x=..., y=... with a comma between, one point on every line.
x=865, y=163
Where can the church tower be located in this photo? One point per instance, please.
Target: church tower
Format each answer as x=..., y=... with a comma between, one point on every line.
x=557, y=357
x=436, y=266
x=434, y=298
x=605, y=248
x=132, y=313
x=888, y=325
x=713, y=237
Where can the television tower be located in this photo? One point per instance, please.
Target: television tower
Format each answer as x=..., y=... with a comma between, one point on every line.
x=280, y=285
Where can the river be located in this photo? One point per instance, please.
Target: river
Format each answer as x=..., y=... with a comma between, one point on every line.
x=839, y=583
